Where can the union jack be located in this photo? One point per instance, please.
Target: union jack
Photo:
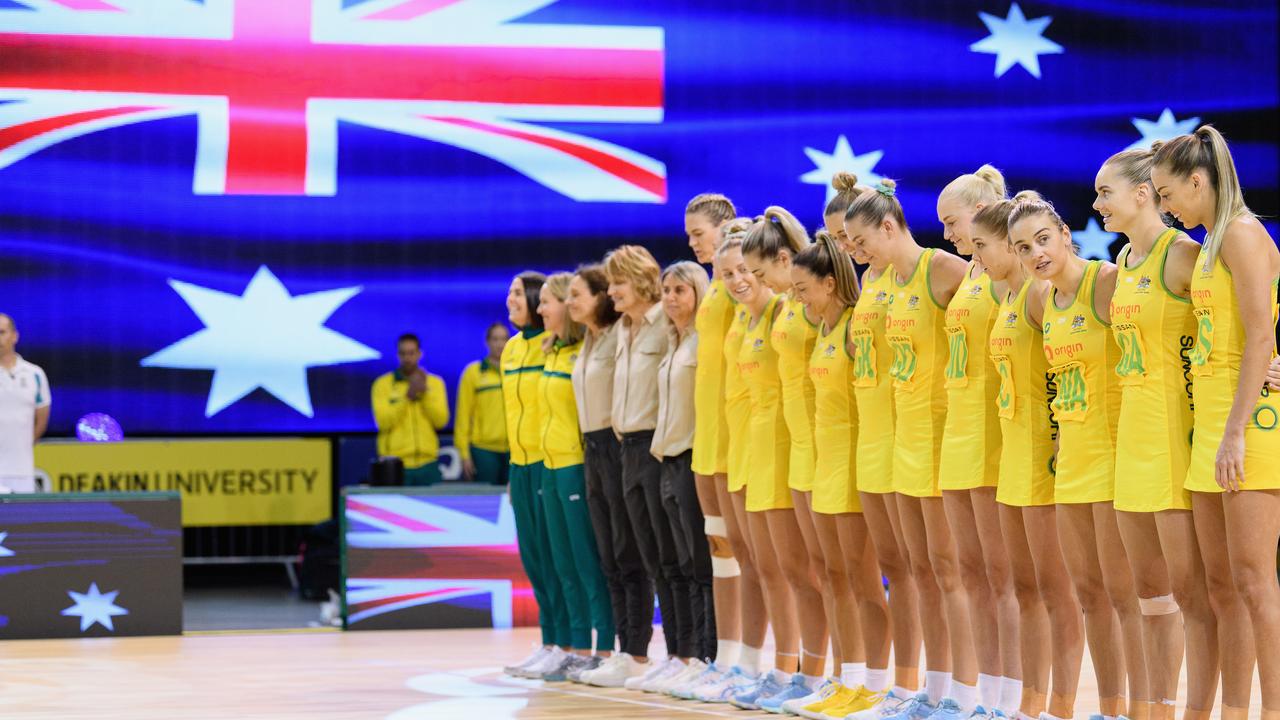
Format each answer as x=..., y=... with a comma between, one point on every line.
x=268, y=81
x=406, y=551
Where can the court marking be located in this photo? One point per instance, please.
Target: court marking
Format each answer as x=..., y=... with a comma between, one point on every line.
x=542, y=687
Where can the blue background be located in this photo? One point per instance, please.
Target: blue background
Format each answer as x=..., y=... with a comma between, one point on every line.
x=91, y=229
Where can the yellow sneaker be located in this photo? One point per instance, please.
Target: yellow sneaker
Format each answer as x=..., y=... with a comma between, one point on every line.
x=862, y=699
x=839, y=695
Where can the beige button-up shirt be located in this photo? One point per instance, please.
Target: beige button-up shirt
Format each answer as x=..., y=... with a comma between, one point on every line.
x=593, y=380
x=674, y=433
x=635, y=377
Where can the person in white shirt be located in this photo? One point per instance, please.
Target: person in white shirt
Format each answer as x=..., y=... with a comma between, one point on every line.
x=24, y=412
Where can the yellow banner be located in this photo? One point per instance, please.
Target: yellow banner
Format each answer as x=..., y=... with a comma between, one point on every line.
x=223, y=482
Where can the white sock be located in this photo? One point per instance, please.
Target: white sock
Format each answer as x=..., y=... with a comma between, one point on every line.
x=936, y=685
x=783, y=678
x=727, y=652
x=749, y=660
x=1024, y=716
x=966, y=696
x=1047, y=716
x=904, y=693
x=853, y=674
x=1010, y=696
x=877, y=679
x=811, y=681
x=989, y=690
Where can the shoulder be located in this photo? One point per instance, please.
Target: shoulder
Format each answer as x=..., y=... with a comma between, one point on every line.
x=472, y=368
x=385, y=379
x=31, y=367
x=435, y=379
x=1246, y=240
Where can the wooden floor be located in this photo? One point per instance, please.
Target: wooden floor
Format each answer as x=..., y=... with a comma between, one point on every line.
x=425, y=675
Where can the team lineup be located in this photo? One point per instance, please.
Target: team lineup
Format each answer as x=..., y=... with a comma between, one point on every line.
x=1033, y=452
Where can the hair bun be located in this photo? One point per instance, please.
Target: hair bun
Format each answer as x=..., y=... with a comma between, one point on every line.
x=844, y=181
x=1027, y=196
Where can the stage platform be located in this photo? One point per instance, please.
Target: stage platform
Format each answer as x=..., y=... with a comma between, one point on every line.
x=320, y=675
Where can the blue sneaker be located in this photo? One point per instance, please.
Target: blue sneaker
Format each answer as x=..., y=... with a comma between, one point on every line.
x=981, y=713
x=791, y=691
x=749, y=698
x=917, y=708
x=948, y=709
x=730, y=684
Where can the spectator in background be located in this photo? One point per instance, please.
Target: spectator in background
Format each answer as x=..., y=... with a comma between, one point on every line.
x=24, y=412
x=480, y=423
x=409, y=406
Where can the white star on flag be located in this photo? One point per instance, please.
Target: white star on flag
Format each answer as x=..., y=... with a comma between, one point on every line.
x=4, y=551
x=94, y=607
x=1094, y=242
x=841, y=159
x=1166, y=128
x=1016, y=40
x=265, y=338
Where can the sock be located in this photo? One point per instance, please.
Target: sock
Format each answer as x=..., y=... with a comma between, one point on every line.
x=811, y=681
x=903, y=692
x=1043, y=716
x=782, y=678
x=1010, y=696
x=936, y=685
x=727, y=652
x=1047, y=716
x=853, y=674
x=989, y=687
x=966, y=696
x=749, y=660
x=877, y=679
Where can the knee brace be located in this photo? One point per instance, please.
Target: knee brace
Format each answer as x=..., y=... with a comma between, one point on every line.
x=1163, y=605
x=723, y=564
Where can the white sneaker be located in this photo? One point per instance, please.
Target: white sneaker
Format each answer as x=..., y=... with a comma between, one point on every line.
x=822, y=692
x=692, y=670
x=686, y=690
x=728, y=684
x=545, y=665
x=538, y=654
x=650, y=673
x=615, y=674
x=673, y=667
x=610, y=661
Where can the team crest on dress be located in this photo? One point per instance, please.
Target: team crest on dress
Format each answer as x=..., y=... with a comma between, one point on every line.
x=829, y=351
x=974, y=291
x=1077, y=323
x=791, y=315
x=757, y=344
x=1011, y=319
x=1144, y=283
x=913, y=302
x=882, y=297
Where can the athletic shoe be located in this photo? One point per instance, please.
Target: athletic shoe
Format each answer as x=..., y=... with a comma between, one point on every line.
x=560, y=673
x=825, y=689
x=591, y=663
x=655, y=684
x=794, y=690
x=949, y=709
x=882, y=706
x=917, y=708
x=749, y=698
x=614, y=672
x=686, y=690
x=858, y=701
x=538, y=654
x=545, y=665
x=981, y=713
x=653, y=670
x=694, y=669
x=731, y=683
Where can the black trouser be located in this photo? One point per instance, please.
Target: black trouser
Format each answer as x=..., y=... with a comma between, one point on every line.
x=642, y=489
x=630, y=586
x=680, y=497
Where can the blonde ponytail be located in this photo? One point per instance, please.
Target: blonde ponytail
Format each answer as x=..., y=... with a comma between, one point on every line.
x=824, y=259
x=773, y=232
x=1207, y=150
x=982, y=186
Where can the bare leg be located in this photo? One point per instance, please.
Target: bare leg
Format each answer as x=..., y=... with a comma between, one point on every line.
x=1060, y=601
x=777, y=593
x=817, y=569
x=879, y=512
x=1033, y=618
x=973, y=577
x=933, y=610
x=724, y=590
x=1117, y=580
x=1235, y=630
x=755, y=614
x=846, y=625
x=864, y=574
x=1000, y=577
x=1162, y=632
x=1253, y=528
x=791, y=552
x=1190, y=588
x=946, y=568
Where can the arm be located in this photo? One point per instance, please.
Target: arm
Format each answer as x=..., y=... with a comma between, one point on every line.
x=42, y=421
x=946, y=272
x=1243, y=248
x=1104, y=290
x=1179, y=266
x=437, y=400
x=386, y=414
x=44, y=404
x=462, y=416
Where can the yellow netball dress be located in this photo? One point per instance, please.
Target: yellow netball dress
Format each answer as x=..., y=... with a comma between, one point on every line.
x=710, y=430
x=1082, y=359
x=835, y=421
x=768, y=444
x=737, y=401
x=971, y=437
x=915, y=334
x=871, y=385
x=1155, y=331
x=1215, y=370
x=793, y=337
x=1027, y=430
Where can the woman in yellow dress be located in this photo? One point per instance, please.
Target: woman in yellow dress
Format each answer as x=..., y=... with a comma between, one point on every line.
x=922, y=284
x=769, y=249
x=827, y=284
x=1154, y=328
x=1049, y=630
x=1082, y=358
x=873, y=393
x=970, y=460
x=703, y=217
x=1237, y=418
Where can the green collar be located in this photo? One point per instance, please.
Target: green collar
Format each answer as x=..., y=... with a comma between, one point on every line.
x=530, y=332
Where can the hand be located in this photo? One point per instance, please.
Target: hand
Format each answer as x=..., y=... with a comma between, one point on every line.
x=468, y=469
x=417, y=385
x=1273, y=373
x=1229, y=469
